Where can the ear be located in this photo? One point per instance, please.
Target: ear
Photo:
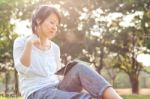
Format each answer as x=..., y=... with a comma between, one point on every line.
x=38, y=22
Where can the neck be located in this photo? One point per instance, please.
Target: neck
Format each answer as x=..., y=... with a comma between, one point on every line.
x=44, y=43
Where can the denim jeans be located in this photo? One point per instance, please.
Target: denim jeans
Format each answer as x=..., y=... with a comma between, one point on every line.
x=79, y=77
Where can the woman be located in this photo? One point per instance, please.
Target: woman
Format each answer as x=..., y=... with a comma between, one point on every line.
x=37, y=58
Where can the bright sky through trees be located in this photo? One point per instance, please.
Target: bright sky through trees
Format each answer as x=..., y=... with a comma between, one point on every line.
x=23, y=28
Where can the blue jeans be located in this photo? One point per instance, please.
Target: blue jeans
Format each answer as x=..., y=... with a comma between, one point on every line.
x=79, y=77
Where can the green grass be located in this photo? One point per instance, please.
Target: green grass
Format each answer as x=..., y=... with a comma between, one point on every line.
x=2, y=97
x=136, y=97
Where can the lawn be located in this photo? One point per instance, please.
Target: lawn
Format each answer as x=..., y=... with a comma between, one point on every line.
x=136, y=97
x=1, y=97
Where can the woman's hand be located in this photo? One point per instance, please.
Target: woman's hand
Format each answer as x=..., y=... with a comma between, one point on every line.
x=33, y=39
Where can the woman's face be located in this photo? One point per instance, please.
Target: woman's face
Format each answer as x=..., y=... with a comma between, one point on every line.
x=48, y=28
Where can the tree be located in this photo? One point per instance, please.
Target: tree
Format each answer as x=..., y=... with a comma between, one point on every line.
x=7, y=37
x=88, y=31
x=127, y=62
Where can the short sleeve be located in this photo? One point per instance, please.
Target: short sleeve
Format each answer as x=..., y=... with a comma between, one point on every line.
x=17, y=52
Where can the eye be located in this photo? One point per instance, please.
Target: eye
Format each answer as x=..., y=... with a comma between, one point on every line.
x=53, y=23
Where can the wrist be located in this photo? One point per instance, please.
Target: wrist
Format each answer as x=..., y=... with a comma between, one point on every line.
x=29, y=43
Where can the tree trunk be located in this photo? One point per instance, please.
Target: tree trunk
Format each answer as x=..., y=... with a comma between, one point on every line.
x=134, y=83
x=113, y=82
x=133, y=75
x=16, y=84
x=101, y=60
x=6, y=82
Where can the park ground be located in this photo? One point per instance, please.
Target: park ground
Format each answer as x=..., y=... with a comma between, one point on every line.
x=126, y=93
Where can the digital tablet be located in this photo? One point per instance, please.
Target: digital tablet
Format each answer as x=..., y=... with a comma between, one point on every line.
x=65, y=69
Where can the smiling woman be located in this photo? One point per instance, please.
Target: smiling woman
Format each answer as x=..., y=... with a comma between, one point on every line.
x=37, y=59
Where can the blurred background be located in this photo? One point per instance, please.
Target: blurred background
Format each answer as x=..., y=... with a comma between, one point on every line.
x=112, y=35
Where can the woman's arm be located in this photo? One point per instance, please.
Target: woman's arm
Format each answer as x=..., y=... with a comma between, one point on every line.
x=22, y=49
x=26, y=54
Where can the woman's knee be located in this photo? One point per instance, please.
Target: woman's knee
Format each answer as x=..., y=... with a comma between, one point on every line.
x=82, y=66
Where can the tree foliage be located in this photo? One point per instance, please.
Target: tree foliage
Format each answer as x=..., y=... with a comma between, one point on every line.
x=91, y=30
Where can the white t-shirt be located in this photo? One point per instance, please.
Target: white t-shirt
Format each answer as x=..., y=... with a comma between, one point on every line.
x=41, y=71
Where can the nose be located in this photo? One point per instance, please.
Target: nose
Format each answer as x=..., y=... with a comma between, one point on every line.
x=54, y=27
